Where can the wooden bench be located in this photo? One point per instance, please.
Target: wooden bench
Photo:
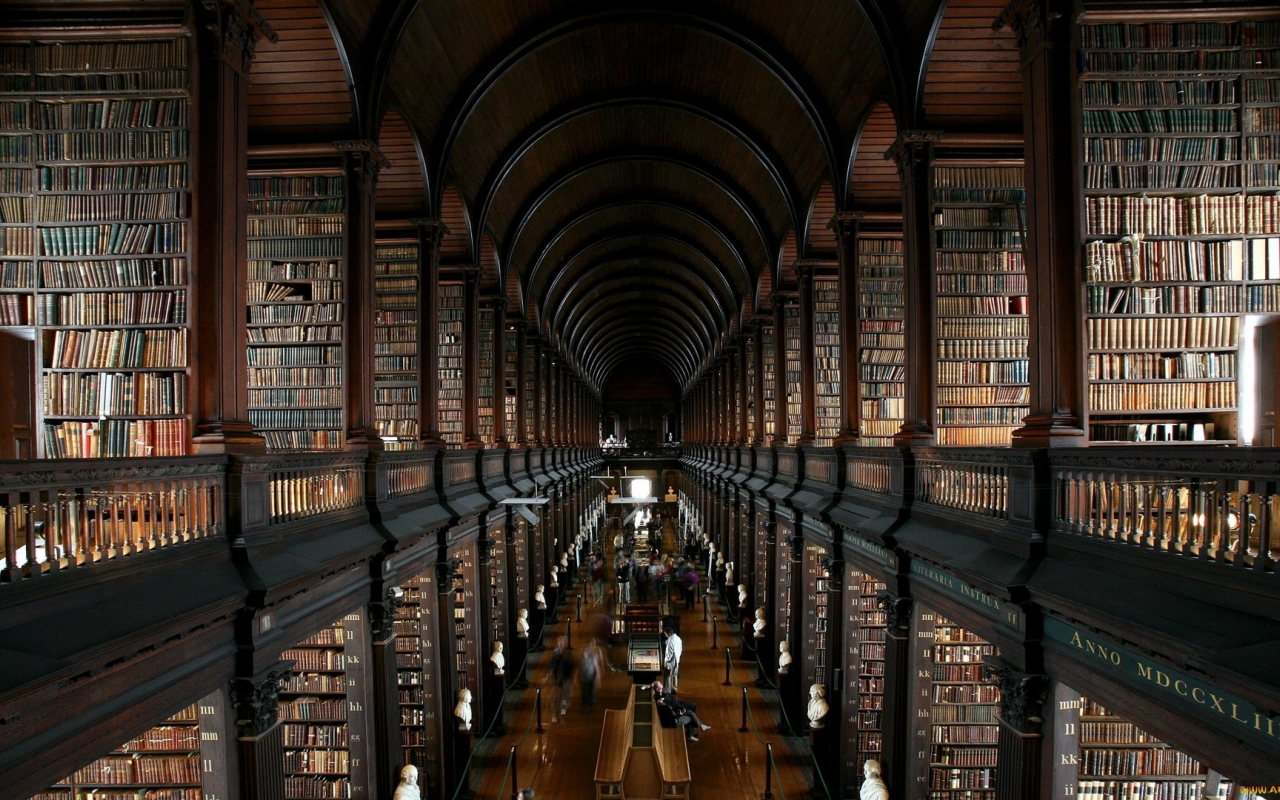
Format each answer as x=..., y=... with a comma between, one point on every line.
x=639, y=759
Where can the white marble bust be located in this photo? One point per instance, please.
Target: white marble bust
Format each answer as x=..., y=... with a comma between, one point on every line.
x=742, y=595
x=522, y=624
x=760, y=623
x=540, y=598
x=818, y=707
x=564, y=560
x=462, y=711
x=408, y=789
x=555, y=576
x=498, y=660
x=728, y=573
x=784, y=658
x=873, y=787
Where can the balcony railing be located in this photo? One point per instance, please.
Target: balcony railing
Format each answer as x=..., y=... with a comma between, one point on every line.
x=316, y=486
x=410, y=475
x=955, y=479
x=70, y=514
x=1215, y=508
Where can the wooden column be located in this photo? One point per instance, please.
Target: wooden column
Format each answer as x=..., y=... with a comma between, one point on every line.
x=808, y=411
x=430, y=234
x=1043, y=28
x=896, y=718
x=501, y=435
x=1018, y=749
x=386, y=710
x=452, y=739
x=229, y=34
x=260, y=742
x=521, y=434
x=757, y=397
x=913, y=153
x=362, y=160
x=471, y=357
x=845, y=224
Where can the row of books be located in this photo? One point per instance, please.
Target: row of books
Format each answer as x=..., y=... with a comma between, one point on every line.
x=965, y=734
x=97, y=207
x=104, y=178
x=164, y=737
x=112, y=308
x=316, y=735
x=295, y=334
x=1160, y=366
x=1151, y=300
x=108, y=145
x=949, y=756
x=118, y=770
x=113, y=394
x=982, y=284
x=316, y=397
x=116, y=349
x=295, y=314
x=1179, y=61
x=1175, y=396
x=295, y=226
x=981, y=416
x=116, y=438
x=314, y=291
x=981, y=348
x=103, y=55
x=962, y=653
x=296, y=418
x=109, y=239
x=307, y=787
x=1152, y=431
x=83, y=114
x=294, y=270
x=1137, y=761
x=1162, y=333
x=1165, y=92
x=166, y=80
x=303, y=682
x=982, y=372
x=295, y=376
x=965, y=693
x=305, y=356
x=1140, y=790
x=980, y=306
x=325, y=762
x=1162, y=177
x=287, y=248
x=1179, y=34
x=1161, y=120
x=1114, y=149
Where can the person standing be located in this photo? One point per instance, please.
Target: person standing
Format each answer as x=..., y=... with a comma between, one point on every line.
x=623, y=566
x=671, y=658
x=562, y=668
x=597, y=579
x=589, y=673
x=690, y=581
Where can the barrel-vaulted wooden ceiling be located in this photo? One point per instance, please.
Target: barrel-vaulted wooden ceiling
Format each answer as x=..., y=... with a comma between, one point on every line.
x=636, y=170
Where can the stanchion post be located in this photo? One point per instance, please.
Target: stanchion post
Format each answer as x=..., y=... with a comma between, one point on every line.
x=715, y=634
x=743, y=729
x=515, y=778
x=728, y=667
x=768, y=772
x=568, y=634
x=579, y=608
x=537, y=707
x=704, y=608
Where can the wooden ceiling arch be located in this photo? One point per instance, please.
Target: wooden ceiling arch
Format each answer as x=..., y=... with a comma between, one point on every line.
x=594, y=304
x=634, y=335
x=676, y=311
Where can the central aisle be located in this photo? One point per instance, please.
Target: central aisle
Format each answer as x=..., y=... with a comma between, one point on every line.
x=560, y=763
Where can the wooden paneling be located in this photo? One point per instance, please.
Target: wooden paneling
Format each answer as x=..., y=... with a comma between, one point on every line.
x=787, y=261
x=873, y=181
x=298, y=89
x=400, y=186
x=490, y=277
x=973, y=82
x=456, y=245
x=822, y=239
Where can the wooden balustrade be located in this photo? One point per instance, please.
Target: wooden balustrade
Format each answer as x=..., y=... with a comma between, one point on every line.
x=60, y=515
x=1221, y=508
x=315, y=486
x=954, y=479
x=869, y=471
x=408, y=476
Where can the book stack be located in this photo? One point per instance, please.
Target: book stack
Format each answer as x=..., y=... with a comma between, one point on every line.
x=94, y=237
x=1180, y=171
x=826, y=359
x=791, y=370
x=486, y=379
x=881, y=338
x=396, y=344
x=314, y=711
x=449, y=358
x=768, y=342
x=964, y=733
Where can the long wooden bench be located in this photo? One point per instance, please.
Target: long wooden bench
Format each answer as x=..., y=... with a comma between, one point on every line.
x=639, y=759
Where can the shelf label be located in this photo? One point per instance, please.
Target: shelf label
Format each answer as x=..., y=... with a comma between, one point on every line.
x=971, y=596
x=871, y=549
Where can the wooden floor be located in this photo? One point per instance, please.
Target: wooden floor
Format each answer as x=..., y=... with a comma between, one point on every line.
x=560, y=763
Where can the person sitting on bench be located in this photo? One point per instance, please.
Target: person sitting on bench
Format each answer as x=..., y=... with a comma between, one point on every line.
x=673, y=713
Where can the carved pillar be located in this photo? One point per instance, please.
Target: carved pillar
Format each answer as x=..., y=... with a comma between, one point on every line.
x=501, y=435
x=1018, y=752
x=913, y=152
x=845, y=224
x=362, y=160
x=261, y=739
x=1055, y=349
x=228, y=35
x=757, y=396
x=430, y=234
x=471, y=357
x=808, y=411
x=387, y=744
x=896, y=722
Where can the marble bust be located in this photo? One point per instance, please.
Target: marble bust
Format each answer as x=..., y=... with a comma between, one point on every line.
x=462, y=711
x=498, y=660
x=759, y=625
x=728, y=573
x=540, y=598
x=742, y=595
x=408, y=789
x=873, y=787
x=522, y=624
x=818, y=707
x=784, y=658
x=555, y=576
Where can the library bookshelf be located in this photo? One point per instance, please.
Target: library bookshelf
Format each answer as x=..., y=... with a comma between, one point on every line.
x=749, y=383
x=297, y=273
x=768, y=361
x=396, y=354
x=881, y=337
x=792, y=369
x=1180, y=163
x=864, y=682
x=95, y=270
x=486, y=398
x=826, y=359
x=981, y=293
x=449, y=357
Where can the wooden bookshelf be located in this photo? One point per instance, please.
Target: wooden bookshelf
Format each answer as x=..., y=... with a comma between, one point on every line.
x=466, y=658
x=396, y=351
x=817, y=611
x=869, y=674
x=1180, y=127
x=981, y=286
x=826, y=359
x=769, y=367
x=450, y=363
x=322, y=711
x=1118, y=759
x=163, y=762
x=964, y=731
x=95, y=239
x=510, y=394
x=297, y=272
x=881, y=337
x=410, y=635
x=792, y=370
x=485, y=380
x=530, y=396
x=750, y=343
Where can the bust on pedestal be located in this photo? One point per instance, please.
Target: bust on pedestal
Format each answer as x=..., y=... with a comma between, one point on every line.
x=784, y=658
x=818, y=707
x=759, y=625
x=408, y=789
x=873, y=787
x=540, y=598
x=462, y=711
x=498, y=660
x=522, y=624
